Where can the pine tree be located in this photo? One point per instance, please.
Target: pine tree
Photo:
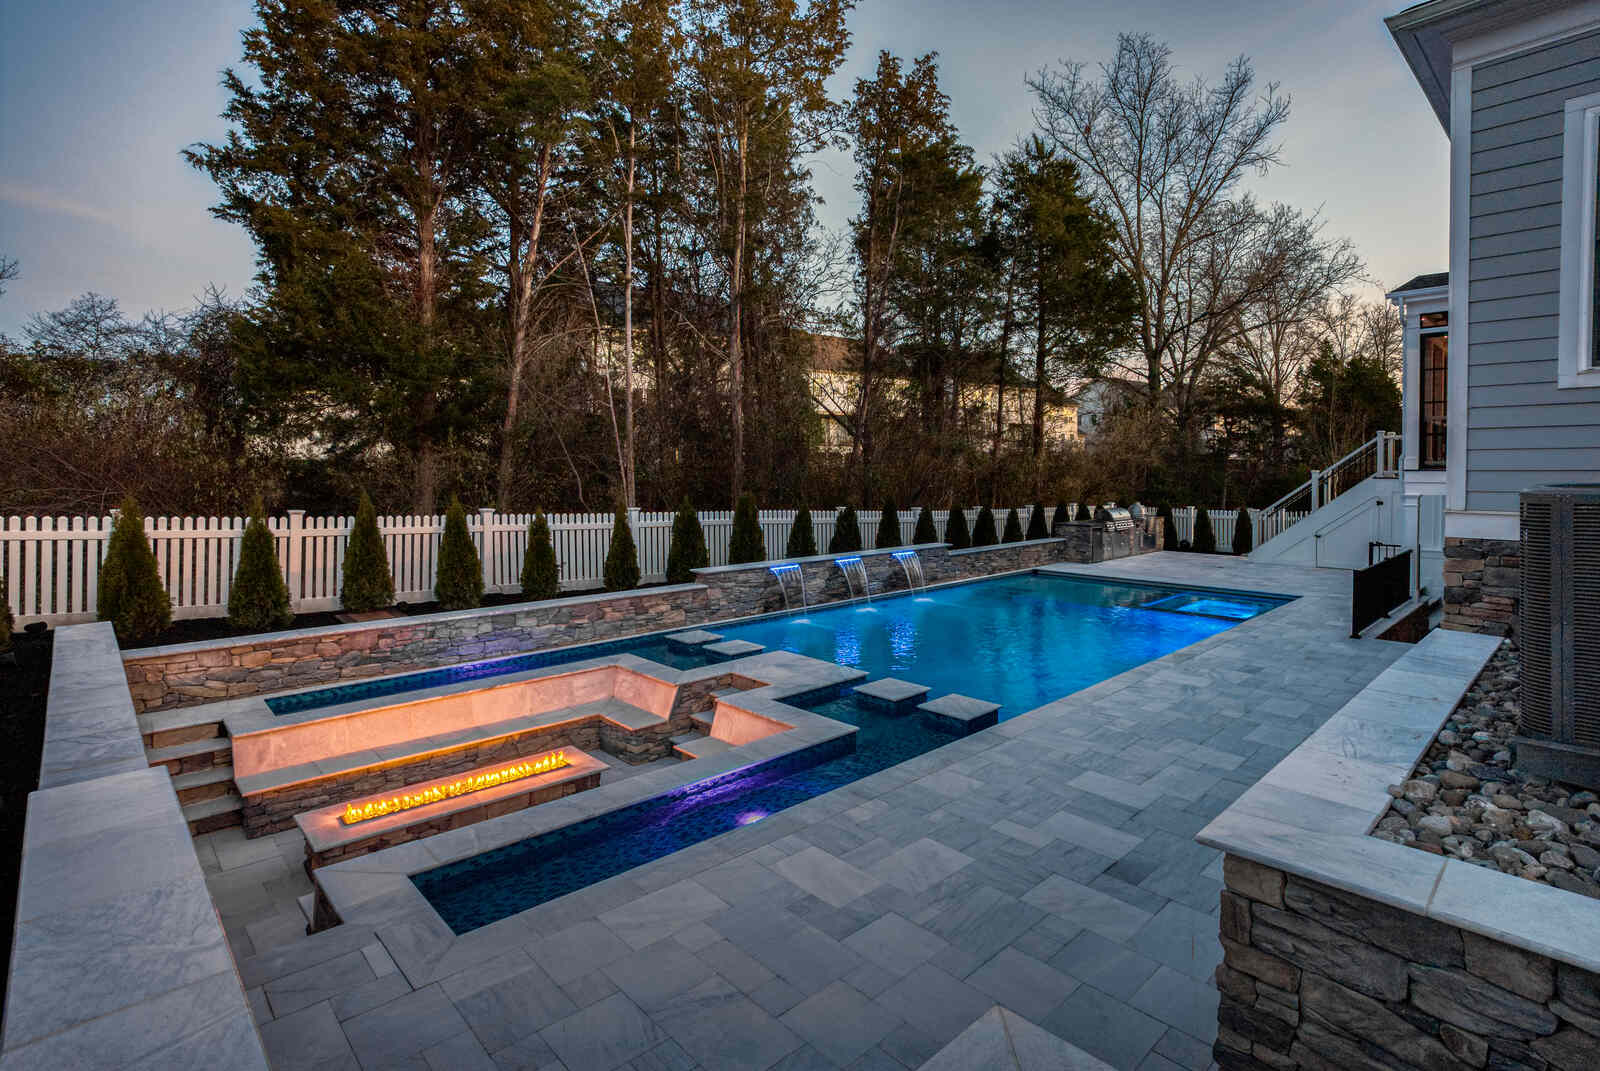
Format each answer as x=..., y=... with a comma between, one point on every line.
x=1036, y=525
x=1169, y=531
x=687, y=551
x=1013, y=530
x=926, y=532
x=622, y=560
x=746, y=544
x=846, y=533
x=1205, y=537
x=259, y=599
x=459, y=582
x=541, y=574
x=368, y=584
x=802, y=536
x=888, y=527
x=1243, y=538
x=955, y=529
x=983, y=530
x=131, y=594
x=1063, y=515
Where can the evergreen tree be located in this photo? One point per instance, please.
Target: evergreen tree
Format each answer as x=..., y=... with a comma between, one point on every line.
x=1063, y=515
x=367, y=583
x=802, y=536
x=1169, y=531
x=1243, y=537
x=955, y=529
x=746, y=544
x=688, y=549
x=926, y=532
x=1205, y=537
x=259, y=599
x=622, y=560
x=541, y=574
x=459, y=582
x=1036, y=526
x=131, y=595
x=846, y=533
x=983, y=530
x=7, y=623
x=888, y=527
x=1013, y=530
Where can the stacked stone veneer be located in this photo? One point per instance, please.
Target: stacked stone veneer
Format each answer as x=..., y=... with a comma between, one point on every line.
x=1480, y=585
x=1318, y=978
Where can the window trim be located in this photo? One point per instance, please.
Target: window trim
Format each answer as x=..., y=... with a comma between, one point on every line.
x=1580, y=168
x=1423, y=336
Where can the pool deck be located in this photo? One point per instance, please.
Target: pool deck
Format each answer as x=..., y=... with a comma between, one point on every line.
x=1047, y=865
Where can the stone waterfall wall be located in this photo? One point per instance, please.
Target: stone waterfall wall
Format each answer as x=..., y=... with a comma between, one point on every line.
x=1321, y=979
x=1481, y=578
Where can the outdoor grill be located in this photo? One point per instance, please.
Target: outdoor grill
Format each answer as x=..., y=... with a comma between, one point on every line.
x=1120, y=530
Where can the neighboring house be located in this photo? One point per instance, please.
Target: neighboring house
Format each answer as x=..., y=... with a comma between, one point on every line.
x=1099, y=399
x=835, y=379
x=1515, y=401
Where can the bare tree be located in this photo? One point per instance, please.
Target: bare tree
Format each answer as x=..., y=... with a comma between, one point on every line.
x=8, y=272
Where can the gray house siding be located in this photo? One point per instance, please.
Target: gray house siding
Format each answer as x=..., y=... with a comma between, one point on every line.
x=1521, y=429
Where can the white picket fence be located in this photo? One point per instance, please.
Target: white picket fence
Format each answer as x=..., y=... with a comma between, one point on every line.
x=50, y=566
x=1223, y=519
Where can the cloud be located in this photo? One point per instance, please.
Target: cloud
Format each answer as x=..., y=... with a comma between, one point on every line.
x=46, y=201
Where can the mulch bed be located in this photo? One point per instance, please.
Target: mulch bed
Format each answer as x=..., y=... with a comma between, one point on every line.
x=24, y=682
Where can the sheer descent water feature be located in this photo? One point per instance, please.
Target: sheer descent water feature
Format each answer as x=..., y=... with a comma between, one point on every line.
x=912, y=565
x=854, y=570
x=783, y=573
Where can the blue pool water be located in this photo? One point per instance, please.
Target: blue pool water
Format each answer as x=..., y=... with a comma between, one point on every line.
x=1019, y=641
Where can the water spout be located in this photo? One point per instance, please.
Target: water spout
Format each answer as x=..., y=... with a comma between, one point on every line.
x=783, y=573
x=912, y=564
x=854, y=570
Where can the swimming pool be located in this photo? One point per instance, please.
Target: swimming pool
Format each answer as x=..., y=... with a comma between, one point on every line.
x=1020, y=641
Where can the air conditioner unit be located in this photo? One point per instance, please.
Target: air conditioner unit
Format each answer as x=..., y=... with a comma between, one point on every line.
x=1558, y=633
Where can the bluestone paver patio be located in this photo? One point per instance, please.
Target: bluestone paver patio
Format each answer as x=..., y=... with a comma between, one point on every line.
x=1047, y=864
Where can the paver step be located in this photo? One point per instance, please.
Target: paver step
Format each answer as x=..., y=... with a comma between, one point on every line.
x=209, y=783
x=164, y=728
x=216, y=813
x=191, y=756
x=308, y=904
x=703, y=721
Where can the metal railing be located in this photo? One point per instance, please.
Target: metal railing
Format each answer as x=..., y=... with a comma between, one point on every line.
x=1378, y=456
x=1378, y=589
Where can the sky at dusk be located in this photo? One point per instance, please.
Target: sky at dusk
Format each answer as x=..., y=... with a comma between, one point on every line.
x=97, y=99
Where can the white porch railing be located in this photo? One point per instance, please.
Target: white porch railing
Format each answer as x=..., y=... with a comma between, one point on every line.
x=1378, y=456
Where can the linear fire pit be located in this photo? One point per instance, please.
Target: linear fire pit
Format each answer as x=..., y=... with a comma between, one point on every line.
x=335, y=832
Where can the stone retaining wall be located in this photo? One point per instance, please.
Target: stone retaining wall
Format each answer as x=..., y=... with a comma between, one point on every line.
x=1317, y=978
x=1481, y=577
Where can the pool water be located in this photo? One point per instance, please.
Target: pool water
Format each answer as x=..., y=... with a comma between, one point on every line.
x=500, y=883
x=1018, y=641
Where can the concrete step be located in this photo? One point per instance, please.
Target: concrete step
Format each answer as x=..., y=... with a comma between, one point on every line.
x=164, y=728
x=217, y=813
x=191, y=756
x=206, y=784
x=308, y=905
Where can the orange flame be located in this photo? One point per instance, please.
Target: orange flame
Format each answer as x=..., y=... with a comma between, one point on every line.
x=360, y=812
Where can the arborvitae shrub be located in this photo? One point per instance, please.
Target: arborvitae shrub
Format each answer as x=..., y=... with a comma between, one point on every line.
x=846, y=533
x=926, y=532
x=1169, y=531
x=802, y=536
x=956, y=532
x=131, y=594
x=983, y=530
x=1085, y=511
x=1242, y=536
x=1037, y=529
x=888, y=527
x=7, y=622
x=541, y=573
x=1013, y=530
x=1205, y=537
x=459, y=584
x=259, y=599
x=1063, y=515
x=367, y=583
x=687, y=551
x=746, y=544
x=622, y=560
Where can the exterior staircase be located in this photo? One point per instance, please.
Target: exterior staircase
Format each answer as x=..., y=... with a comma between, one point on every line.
x=1335, y=518
x=195, y=749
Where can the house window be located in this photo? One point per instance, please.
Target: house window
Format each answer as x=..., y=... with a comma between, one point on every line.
x=1432, y=395
x=1578, y=347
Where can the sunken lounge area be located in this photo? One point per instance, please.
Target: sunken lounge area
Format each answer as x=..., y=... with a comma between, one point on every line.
x=643, y=860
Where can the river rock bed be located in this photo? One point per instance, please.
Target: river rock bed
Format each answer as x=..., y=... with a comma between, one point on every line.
x=1467, y=801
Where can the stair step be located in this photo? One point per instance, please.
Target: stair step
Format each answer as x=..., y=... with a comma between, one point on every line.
x=217, y=813
x=191, y=756
x=209, y=783
x=308, y=904
x=164, y=728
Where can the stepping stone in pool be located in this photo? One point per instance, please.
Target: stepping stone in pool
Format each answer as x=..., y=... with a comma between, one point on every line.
x=697, y=637
x=891, y=695
x=729, y=649
x=960, y=714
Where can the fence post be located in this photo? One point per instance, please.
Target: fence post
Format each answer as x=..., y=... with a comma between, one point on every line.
x=297, y=522
x=1316, y=489
x=485, y=546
